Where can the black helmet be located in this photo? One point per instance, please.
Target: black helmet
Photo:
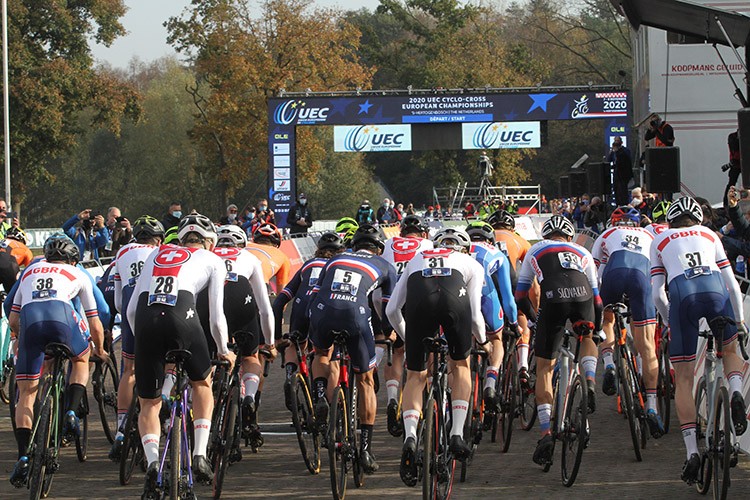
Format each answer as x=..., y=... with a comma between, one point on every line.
x=368, y=233
x=502, y=218
x=60, y=247
x=413, y=224
x=146, y=226
x=480, y=231
x=331, y=241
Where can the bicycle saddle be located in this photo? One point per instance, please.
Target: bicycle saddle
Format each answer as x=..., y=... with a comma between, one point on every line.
x=178, y=356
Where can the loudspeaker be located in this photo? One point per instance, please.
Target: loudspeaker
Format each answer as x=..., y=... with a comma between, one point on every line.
x=579, y=182
x=743, y=125
x=663, y=170
x=564, y=186
x=600, y=181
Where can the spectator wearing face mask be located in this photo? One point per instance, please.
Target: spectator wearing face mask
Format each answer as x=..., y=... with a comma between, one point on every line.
x=264, y=215
x=174, y=214
x=385, y=213
x=300, y=217
x=231, y=216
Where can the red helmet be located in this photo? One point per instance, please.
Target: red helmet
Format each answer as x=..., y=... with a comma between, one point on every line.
x=269, y=231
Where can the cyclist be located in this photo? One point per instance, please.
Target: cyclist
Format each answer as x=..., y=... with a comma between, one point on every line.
x=15, y=243
x=659, y=218
x=265, y=246
x=622, y=255
x=569, y=291
x=339, y=301
x=399, y=250
x=691, y=261
x=162, y=316
x=148, y=233
x=496, y=290
x=41, y=314
x=346, y=227
x=170, y=236
x=441, y=288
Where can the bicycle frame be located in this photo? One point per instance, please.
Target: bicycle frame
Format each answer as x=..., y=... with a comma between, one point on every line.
x=179, y=408
x=713, y=374
x=563, y=382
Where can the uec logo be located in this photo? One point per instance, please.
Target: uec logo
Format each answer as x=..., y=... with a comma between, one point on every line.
x=489, y=135
x=359, y=138
x=286, y=113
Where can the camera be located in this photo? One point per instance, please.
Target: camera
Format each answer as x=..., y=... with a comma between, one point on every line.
x=120, y=220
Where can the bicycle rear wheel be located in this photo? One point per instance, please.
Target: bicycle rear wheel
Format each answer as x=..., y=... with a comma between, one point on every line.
x=429, y=450
x=106, y=399
x=132, y=448
x=40, y=478
x=338, y=443
x=528, y=397
x=664, y=386
x=476, y=394
x=701, y=423
x=226, y=439
x=82, y=441
x=304, y=425
x=175, y=456
x=446, y=465
x=628, y=408
x=509, y=405
x=354, y=438
x=722, y=444
x=575, y=431
x=12, y=396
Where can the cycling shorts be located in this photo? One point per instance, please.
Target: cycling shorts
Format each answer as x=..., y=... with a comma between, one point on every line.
x=637, y=285
x=356, y=321
x=44, y=323
x=689, y=301
x=298, y=319
x=432, y=303
x=162, y=328
x=492, y=312
x=128, y=341
x=241, y=312
x=551, y=323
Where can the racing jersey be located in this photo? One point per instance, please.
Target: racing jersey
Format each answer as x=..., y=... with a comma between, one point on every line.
x=246, y=265
x=656, y=228
x=18, y=250
x=127, y=268
x=496, y=276
x=399, y=250
x=610, y=245
x=299, y=288
x=174, y=269
x=273, y=261
x=513, y=245
x=436, y=264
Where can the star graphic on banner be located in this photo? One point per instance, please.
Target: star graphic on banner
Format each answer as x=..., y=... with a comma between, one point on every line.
x=340, y=105
x=511, y=116
x=248, y=299
x=462, y=292
x=364, y=108
x=190, y=313
x=540, y=101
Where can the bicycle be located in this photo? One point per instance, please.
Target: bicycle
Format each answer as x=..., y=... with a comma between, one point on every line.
x=105, y=380
x=630, y=394
x=509, y=391
x=132, y=448
x=47, y=436
x=476, y=413
x=7, y=364
x=716, y=436
x=527, y=414
x=665, y=378
x=569, y=416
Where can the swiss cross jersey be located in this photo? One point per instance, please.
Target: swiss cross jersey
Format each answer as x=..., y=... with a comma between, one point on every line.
x=466, y=274
x=565, y=272
x=689, y=251
x=657, y=228
x=44, y=281
x=347, y=280
x=635, y=242
x=173, y=269
x=244, y=264
x=127, y=268
x=399, y=250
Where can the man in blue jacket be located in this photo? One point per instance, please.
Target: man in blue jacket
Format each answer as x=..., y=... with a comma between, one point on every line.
x=88, y=233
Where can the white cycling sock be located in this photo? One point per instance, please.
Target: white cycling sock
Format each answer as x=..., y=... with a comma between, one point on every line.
x=650, y=399
x=201, y=431
x=689, y=435
x=379, y=353
x=735, y=382
x=120, y=422
x=169, y=381
x=609, y=359
x=411, y=421
x=251, y=382
x=151, y=447
x=544, y=412
x=589, y=366
x=460, y=409
x=523, y=356
x=490, y=376
x=391, y=387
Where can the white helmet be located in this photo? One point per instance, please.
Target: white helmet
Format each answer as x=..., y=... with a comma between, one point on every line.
x=685, y=206
x=558, y=224
x=199, y=224
x=231, y=235
x=458, y=234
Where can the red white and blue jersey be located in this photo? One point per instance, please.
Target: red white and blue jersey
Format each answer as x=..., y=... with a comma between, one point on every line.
x=689, y=251
x=305, y=279
x=656, y=228
x=348, y=279
x=46, y=281
x=127, y=268
x=399, y=250
x=635, y=242
x=565, y=272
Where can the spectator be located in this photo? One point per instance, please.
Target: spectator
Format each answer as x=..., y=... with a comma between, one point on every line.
x=385, y=213
x=543, y=205
x=248, y=214
x=399, y=212
x=580, y=211
x=485, y=210
x=119, y=233
x=565, y=210
x=740, y=243
x=430, y=212
x=660, y=131
x=511, y=207
x=88, y=232
x=231, y=216
x=174, y=214
x=469, y=210
x=6, y=224
x=300, y=217
x=410, y=209
x=595, y=216
x=264, y=215
x=622, y=163
x=734, y=165
x=365, y=215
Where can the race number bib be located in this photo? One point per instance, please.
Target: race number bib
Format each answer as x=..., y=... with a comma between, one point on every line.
x=163, y=290
x=314, y=275
x=692, y=265
x=135, y=272
x=346, y=281
x=43, y=289
x=231, y=275
x=569, y=260
x=434, y=266
x=632, y=243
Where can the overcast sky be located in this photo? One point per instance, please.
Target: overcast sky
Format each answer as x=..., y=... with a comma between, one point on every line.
x=147, y=37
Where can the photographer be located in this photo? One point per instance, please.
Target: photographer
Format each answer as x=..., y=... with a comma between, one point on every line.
x=660, y=131
x=596, y=216
x=734, y=166
x=739, y=243
x=88, y=232
x=119, y=233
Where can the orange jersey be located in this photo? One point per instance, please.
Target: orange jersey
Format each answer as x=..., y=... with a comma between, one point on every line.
x=274, y=263
x=21, y=252
x=512, y=245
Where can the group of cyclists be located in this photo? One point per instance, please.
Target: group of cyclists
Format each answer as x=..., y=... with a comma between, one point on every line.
x=482, y=286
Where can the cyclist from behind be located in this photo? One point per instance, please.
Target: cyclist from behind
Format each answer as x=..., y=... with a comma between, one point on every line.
x=265, y=246
x=569, y=291
x=622, y=255
x=41, y=314
x=15, y=243
x=346, y=227
x=691, y=261
x=440, y=288
x=163, y=317
x=497, y=299
x=340, y=303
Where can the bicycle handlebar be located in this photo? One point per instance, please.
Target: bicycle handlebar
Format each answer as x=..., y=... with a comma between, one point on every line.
x=389, y=349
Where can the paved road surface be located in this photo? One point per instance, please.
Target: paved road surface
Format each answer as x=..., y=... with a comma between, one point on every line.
x=609, y=468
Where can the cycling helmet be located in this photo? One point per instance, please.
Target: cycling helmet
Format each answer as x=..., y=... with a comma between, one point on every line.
x=685, y=206
x=659, y=213
x=60, y=247
x=480, y=231
x=558, y=224
x=459, y=235
x=331, y=241
x=367, y=233
x=346, y=227
x=199, y=224
x=231, y=235
x=625, y=216
x=502, y=218
x=414, y=224
x=269, y=231
x=16, y=233
x=170, y=235
x=148, y=227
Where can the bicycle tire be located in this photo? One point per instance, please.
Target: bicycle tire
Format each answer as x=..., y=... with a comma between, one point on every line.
x=628, y=406
x=639, y=405
x=701, y=415
x=82, y=441
x=664, y=386
x=106, y=399
x=175, y=456
x=722, y=447
x=467, y=435
x=304, y=425
x=132, y=448
x=528, y=397
x=575, y=431
x=429, y=450
x=4, y=383
x=355, y=437
x=39, y=481
x=13, y=400
x=509, y=406
x=338, y=438
x=226, y=439
x=446, y=463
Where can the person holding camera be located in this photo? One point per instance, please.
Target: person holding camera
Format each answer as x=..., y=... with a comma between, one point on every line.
x=119, y=233
x=88, y=231
x=660, y=132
